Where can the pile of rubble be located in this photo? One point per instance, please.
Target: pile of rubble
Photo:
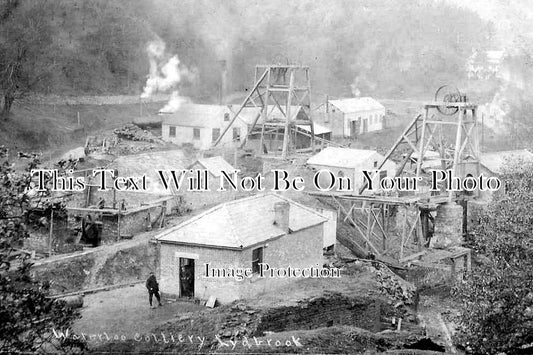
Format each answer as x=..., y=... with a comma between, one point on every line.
x=394, y=286
x=135, y=133
x=242, y=321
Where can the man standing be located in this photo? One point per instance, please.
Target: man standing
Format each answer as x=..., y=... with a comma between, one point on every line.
x=153, y=289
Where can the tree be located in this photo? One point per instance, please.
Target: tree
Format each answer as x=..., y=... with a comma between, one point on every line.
x=497, y=296
x=27, y=315
x=24, y=34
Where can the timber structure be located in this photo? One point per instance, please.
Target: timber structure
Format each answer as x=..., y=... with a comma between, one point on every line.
x=368, y=215
x=278, y=89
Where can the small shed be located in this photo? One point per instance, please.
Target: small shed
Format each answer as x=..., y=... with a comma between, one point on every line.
x=214, y=166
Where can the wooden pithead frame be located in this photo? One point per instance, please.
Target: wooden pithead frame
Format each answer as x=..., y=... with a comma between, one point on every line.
x=367, y=214
x=283, y=87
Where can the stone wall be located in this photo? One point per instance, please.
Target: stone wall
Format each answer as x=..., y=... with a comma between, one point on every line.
x=132, y=221
x=97, y=267
x=448, y=226
x=94, y=100
x=325, y=311
x=300, y=249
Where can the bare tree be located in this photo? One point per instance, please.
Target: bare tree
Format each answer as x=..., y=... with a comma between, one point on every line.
x=24, y=34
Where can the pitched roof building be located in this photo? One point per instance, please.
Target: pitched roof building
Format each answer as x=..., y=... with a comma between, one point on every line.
x=201, y=125
x=350, y=163
x=215, y=165
x=353, y=116
x=237, y=235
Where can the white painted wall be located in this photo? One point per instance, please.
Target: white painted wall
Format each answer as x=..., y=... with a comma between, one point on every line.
x=184, y=134
x=374, y=119
x=357, y=173
x=330, y=227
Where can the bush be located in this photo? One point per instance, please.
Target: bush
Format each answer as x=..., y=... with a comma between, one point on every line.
x=27, y=314
x=497, y=296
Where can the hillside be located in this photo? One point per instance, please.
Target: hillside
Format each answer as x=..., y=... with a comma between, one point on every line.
x=54, y=128
x=79, y=47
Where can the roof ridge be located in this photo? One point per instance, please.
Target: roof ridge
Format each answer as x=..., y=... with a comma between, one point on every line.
x=308, y=209
x=190, y=220
x=207, y=212
x=232, y=227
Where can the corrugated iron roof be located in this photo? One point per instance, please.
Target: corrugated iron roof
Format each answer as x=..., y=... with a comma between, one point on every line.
x=240, y=223
x=494, y=161
x=215, y=165
x=357, y=104
x=318, y=129
x=342, y=157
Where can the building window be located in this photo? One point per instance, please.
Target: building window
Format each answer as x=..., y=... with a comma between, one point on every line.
x=172, y=131
x=226, y=117
x=236, y=133
x=383, y=174
x=196, y=133
x=215, y=134
x=257, y=258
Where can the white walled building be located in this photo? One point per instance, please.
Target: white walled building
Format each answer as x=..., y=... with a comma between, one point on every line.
x=354, y=116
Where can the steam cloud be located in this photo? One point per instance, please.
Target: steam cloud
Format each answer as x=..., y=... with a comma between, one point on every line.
x=164, y=77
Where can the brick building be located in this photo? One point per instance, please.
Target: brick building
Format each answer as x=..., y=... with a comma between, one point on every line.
x=237, y=235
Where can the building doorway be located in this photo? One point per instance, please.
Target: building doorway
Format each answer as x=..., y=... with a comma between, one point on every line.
x=354, y=128
x=365, y=125
x=186, y=277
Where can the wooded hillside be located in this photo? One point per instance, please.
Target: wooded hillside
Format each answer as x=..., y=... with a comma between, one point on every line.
x=376, y=46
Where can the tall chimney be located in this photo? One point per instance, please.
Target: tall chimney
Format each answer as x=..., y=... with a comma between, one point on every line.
x=281, y=215
x=223, y=81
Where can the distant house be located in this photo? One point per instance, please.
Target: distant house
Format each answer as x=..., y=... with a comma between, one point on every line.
x=492, y=164
x=345, y=162
x=234, y=236
x=201, y=125
x=354, y=116
x=214, y=166
x=483, y=65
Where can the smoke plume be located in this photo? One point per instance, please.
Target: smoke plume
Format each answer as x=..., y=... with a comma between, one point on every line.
x=174, y=103
x=164, y=76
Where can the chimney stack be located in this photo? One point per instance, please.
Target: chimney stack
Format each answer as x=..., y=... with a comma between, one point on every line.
x=223, y=81
x=281, y=215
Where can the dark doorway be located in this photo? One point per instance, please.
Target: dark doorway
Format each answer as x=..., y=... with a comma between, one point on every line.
x=186, y=275
x=365, y=125
x=355, y=127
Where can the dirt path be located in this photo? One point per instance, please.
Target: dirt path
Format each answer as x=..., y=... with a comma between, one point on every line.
x=430, y=315
x=126, y=312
